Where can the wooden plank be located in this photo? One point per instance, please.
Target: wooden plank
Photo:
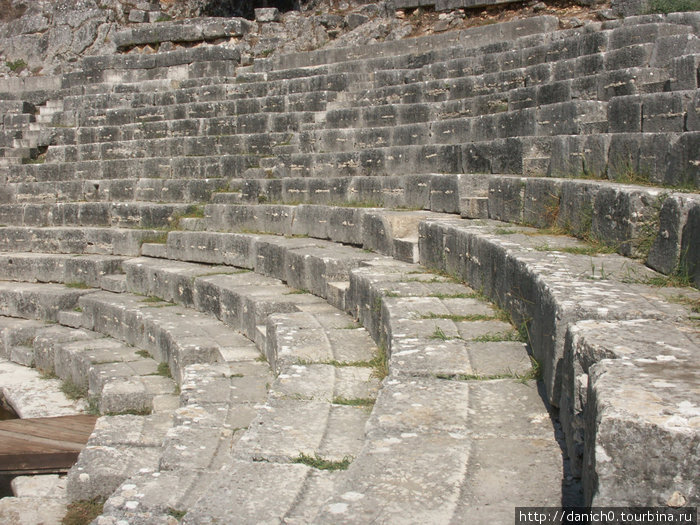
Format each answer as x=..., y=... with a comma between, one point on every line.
x=43, y=444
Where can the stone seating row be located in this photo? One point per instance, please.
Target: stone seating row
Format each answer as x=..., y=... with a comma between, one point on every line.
x=108, y=459
x=26, y=390
x=367, y=315
x=667, y=157
x=577, y=118
x=267, y=82
x=212, y=503
x=124, y=190
x=94, y=474
x=196, y=62
x=617, y=270
x=608, y=278
x=494, y=128
x=115, y=115
x=560, y=70
x=472, y=37
x=100, y=214
x=565, y=299
x=112, y=377
x=190, y=30
x=654, y=224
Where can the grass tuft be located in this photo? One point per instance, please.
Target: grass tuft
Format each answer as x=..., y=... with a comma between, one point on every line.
x=77, y=285
x=73, y=391
x=380, y=363
x=320, y=463
x=177, y=514
x=83, y=512
x=164, y=370
x=355, y=402
x=673, y=6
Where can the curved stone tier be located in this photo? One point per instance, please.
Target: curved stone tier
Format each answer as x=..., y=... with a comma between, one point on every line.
x=274, y=281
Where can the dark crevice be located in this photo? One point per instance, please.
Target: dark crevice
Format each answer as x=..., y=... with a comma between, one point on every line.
x=246, y=8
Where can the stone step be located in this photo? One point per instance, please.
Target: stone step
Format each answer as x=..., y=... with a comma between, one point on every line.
x=351, y=129
x=472, y=41
x=83, y=240
x=471, y=38
x=37, y=301
x=75, y=270
x=199, y=167
x=507, y=200
x=156, y=325
x=119, y=447
x=193, y=30
x=255, y=446
x=216, y=401
x=302, y=386
x=242, y=300
x=37, y=499
x=257, y=143
x=153, y=249
x=182, y=63
x=527, y=87
x=94, y=214
x=210, y=122
x=437, y=70
x=120, y=190
x=205, y=426
x=30, y=395
x=558, y=155
x=563, y=154
x=114, y=282
x=658, y=112
x=111, y=376
x=386, y=232
x=622, y=301
x=16, y=333
x=197, y=102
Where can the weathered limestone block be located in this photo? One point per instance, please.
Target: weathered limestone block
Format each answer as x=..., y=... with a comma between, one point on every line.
x=506, y=198
x=690, y=246
x=231, y=493
x=637, y=407
x=665, y=254
x=539, y=286
x=623, y=216
x=269, y=14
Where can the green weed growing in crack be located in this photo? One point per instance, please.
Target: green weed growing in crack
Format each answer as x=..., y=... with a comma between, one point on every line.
x=439, y=334
x=72, y=390
x=380, y=363
x=461, y=318
x=510, y=335
x=83, y=512
x=93, y=407
x=354, y=402
x=320, y=463
x=77, y=285
x=145, y=411
x=164, y=370
x=175, y=513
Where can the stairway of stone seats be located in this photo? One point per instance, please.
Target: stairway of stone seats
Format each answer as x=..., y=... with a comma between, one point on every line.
x=306, y=342
x=17, y=139
x=222, y=379
x=213, y=217
x=555, y=88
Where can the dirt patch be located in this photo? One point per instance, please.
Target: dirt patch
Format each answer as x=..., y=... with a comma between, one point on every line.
x=570, y=14
x=10, y=12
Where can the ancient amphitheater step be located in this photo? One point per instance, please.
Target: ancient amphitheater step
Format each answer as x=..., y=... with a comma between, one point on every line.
x=313, y=289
